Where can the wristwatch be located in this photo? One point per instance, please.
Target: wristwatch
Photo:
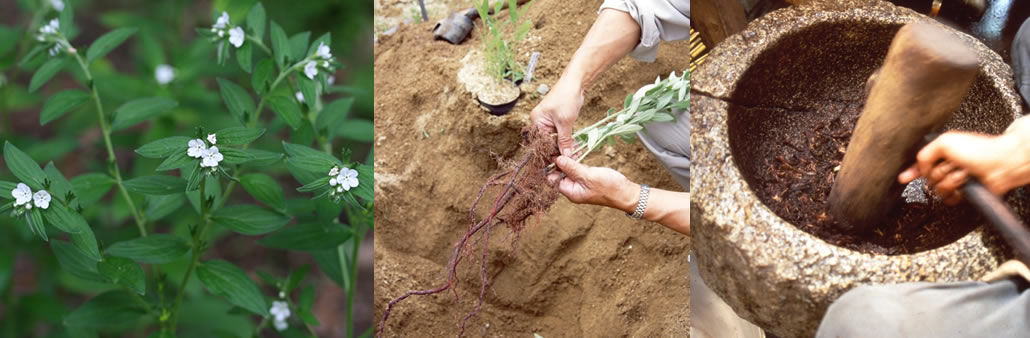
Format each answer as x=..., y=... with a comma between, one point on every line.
x=642, y=204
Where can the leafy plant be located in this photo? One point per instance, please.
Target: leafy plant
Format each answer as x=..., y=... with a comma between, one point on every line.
x=143, y=279
x=501, y=38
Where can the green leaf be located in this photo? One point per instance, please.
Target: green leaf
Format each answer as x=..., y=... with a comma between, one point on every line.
x=90, y=187
x=238, y=135
x=196, y=177
x=243, y=55
x=280, y=44
x=108, y=42
x=366, y=179
x=35, y=220
x=124, y=272
x=299, y=45
x=249, y=219
x=234, y=156
x=164, y=147
x=86, y=242
x=256, y=20
x=240, y=103
x=262, y=74
x=315, y=185
x=307, y=237
x=139, y=110
x=307, y=88
x=329, y=262
x=75, y=262
x=177, y=160
x=296, y=150
x=66, y=220
x=356, y=130
x=262, y=158
x=6, y=188
x=61, y=103
x=67, y=24
x=23, y=167
x=287, y=108
x=45, y=73
x=59, y=185
x=307, y=317
x=312, y=163
x=295, y=278
x=225, y=279
x=333, y=115
x=153, y=249
x=264, y=189
x=109, y=309
x=160, y=206
x=156, y=185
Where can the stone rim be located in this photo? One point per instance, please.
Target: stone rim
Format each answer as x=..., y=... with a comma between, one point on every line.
x=727, y=212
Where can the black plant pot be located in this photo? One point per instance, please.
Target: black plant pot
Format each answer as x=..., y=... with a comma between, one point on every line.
x=503, y=108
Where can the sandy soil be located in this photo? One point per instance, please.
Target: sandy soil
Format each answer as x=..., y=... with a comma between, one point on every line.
x=581, y=271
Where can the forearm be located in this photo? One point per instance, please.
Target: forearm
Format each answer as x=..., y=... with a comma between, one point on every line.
x=668, y=208
x=613, y=36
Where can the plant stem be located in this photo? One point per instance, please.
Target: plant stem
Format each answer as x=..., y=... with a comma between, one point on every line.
x=251, y=124
x=258, y=42
x=112, y=160
x=198, y=247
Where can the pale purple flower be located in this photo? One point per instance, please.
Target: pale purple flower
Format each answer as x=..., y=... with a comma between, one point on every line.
x=212, y=138
x=236, y=36
x=164, y=74
x=222, y=22
x=22, y=194
x=311, y=69
x=323, y=51
x=211, y=157
x=196, y=149
x=347, y=179
x=41, y=199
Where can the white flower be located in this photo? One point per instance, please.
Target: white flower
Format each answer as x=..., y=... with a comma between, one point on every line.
x=323, y=51
x=211, y=158
x=41, y=199
x=50, y=28
x=197, y=148
x=57, y=4
x=311, y=69
x=164, y=74
x=236, y=36
x=222, y=22
x=334, y=171
x=280, y=325
x=282, y=294
x=347, y=179
x=212, y=138
x=331, y=80
x=325, y=64
x=22, y=194
x=300, y=97
x=280, y=310
x=28, y=206
x=55, y=50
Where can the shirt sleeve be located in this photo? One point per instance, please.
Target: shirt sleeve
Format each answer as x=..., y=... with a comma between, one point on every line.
x=659, y=20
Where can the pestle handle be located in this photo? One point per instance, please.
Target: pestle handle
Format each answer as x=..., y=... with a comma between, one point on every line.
x=924, y=78
x=1001, y=217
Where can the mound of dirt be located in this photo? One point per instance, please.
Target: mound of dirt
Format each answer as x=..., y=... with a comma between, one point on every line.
x=579, y=270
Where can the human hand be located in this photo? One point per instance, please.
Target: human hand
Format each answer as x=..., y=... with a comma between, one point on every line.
x=558, y=111
x=999, y=162
x=595, y=185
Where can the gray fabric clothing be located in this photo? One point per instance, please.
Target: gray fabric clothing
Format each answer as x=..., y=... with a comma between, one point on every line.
x=659, y=20
x=1021, y=60
x=670, y=143
x=940, y=310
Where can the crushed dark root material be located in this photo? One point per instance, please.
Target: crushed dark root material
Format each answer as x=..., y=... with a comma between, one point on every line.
x=795, y=182
x=525, y=192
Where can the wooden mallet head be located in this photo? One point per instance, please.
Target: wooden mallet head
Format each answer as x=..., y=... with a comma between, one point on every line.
x=924, y=78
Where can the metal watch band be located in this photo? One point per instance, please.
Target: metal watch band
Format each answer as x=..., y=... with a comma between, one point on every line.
x=642, y=204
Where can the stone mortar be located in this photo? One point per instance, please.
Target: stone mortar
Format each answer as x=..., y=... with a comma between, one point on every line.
x=770, y=272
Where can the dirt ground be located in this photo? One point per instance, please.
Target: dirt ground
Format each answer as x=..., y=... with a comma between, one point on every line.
x=581, y=271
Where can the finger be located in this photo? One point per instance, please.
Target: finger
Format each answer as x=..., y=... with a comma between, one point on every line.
x=570, y=167
x=540, y=119
x=565, y=142
x=940, y=171
x=952, y=181
x=928, y=157
x=954, y=199
x=909, y=175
